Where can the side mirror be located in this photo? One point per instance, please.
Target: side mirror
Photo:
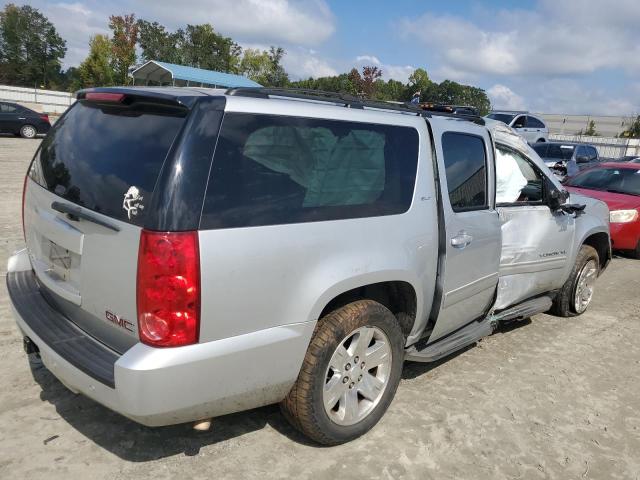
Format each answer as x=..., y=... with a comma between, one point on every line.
x=555, y=197
x=582, y=159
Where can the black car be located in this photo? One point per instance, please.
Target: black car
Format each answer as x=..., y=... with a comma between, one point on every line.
x=22, y=121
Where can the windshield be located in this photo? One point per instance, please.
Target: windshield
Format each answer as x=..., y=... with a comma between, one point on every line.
x=555, y=150
x=502, y=117
x=617, y=180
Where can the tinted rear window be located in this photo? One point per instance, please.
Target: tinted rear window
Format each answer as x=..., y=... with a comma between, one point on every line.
x=95, y=156
x=270, y=170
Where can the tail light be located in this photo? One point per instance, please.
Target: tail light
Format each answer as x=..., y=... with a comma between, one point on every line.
x=24, y=194
x=168, y=289
x=44, y=117
x=107, y=97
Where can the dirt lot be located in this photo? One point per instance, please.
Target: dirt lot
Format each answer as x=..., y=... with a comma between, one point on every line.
x=549, y=398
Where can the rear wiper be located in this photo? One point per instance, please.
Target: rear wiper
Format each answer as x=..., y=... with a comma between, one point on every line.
x=612, y=190
x=76, y=213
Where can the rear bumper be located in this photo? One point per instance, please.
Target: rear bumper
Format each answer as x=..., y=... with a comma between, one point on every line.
x=156, y=386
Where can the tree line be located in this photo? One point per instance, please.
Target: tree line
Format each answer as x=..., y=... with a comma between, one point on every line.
x=31, y=53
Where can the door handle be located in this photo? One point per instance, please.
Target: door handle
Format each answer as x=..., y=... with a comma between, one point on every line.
x=461, y=240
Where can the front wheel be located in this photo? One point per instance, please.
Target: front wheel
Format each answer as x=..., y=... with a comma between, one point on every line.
x=349, y=375
x=576, y=294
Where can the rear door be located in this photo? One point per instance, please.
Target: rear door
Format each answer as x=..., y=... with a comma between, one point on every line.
x=88, y=193
x=473, y=238
x=9, y=122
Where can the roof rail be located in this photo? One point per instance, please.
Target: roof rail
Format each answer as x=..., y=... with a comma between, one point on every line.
x=509, y=111
x=346, y=100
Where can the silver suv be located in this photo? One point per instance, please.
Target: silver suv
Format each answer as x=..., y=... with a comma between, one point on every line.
x=531, y=128
x=192, y=253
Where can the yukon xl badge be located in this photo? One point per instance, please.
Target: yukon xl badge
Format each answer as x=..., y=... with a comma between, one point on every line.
x=132, y=202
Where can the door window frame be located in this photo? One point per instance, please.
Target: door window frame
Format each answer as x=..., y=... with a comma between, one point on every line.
x=487, y=203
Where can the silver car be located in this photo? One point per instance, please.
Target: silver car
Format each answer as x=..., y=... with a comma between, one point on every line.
x=530, y=127
x=192, y=252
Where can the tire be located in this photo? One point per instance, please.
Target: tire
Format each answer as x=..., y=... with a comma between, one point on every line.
x=28, y=131
x=326, y=366
x=636, y=253
x=567, y=302
x=541, y=140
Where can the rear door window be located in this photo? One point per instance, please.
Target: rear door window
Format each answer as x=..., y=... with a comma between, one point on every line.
x=466, y=171
x=108, y=159
x=270, y=170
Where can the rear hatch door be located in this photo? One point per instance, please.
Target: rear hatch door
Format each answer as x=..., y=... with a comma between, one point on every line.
x=88, y=192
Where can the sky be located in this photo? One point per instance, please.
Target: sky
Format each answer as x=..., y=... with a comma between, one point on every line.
x=551, y=56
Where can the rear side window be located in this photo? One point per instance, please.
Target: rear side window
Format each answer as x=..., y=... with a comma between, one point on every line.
x=108, y=159
x=465, y=163
x=6, y=108
x=270, y=170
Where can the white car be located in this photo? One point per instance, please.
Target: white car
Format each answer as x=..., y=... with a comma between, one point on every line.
x=531, y=128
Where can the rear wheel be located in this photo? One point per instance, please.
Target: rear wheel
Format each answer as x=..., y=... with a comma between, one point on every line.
x=636, y=253
x=349, y=375
x=576, y=294
x=540, y=140
x=28, y=131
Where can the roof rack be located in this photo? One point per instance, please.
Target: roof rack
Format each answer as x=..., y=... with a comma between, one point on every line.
x=509, y=111
x=348, y=101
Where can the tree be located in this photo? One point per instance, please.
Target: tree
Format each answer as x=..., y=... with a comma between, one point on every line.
x=591, y=129
x=369, y=77
x=256, y=65
x=123, y=45
x=202, y=47
x=634, y=129
x=96, y=70
x=419, y=82
x=30, y=48
x=277, y=76
x=157, y=43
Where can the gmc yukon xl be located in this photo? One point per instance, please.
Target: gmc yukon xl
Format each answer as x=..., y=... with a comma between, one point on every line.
x=192, y=252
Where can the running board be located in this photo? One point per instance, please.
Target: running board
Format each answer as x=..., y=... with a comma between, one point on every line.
x=523, y=310
x=475, y=331
x=460, y=339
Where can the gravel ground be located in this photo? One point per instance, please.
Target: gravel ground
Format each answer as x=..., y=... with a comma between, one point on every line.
x=546, y=398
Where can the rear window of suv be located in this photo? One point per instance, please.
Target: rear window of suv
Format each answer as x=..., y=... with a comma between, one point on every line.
x=270, y=170
x=96, y=155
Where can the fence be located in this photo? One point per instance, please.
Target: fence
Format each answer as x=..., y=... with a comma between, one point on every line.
x=608, y=147
x=46, y=101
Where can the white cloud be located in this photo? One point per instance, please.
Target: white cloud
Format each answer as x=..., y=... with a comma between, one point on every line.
x=303, y=22
x=395, y=72
x=558, y=38
x=301, y=63
x=502, y=97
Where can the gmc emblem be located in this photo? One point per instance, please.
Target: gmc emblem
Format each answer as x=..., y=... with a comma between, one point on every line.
x=120, y=322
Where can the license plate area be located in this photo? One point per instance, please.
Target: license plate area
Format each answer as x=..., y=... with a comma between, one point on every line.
x=64, y=265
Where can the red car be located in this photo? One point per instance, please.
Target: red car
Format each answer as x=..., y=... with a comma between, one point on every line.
x=618, y=185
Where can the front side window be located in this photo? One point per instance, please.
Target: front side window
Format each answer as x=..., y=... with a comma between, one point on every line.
x=465, y=163
x=520, y=122
x=533, y=122
x=501, y=117
x=517, y=180
x=270, y=169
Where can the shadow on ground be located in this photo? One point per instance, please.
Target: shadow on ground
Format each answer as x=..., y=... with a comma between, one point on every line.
x=136, y=443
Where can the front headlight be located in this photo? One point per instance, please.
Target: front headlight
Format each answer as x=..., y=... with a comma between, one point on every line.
x=623, y=216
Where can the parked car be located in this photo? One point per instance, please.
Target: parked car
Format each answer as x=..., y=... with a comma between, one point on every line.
x=617, y=184
x=192, y=253
x=531, y=128
x=635, y=160
x=22, y=121
x=556, y=155
x=627, y=158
